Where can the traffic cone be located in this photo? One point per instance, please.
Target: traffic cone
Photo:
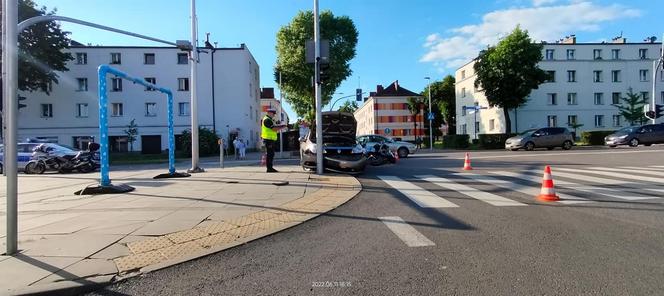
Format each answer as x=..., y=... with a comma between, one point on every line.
x=466, y=163
x=263, y=160
x=547, y=193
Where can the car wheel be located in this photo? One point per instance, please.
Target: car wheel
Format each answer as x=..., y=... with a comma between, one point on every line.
x=567, y=145
x=634, y=142
x=530, y=146
x=403, y=152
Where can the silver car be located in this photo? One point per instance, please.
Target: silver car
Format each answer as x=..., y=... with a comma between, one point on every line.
x=24, y=154
x=548, y=137
x=403, y=149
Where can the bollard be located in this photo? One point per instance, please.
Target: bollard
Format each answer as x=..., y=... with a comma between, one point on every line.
x=221, y=153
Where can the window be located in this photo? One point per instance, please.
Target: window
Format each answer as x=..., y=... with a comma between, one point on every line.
x=616, y=120
x=551, y=76
x=644, y=95
x=183, y=109
x=82, y=84
x=463, y=111
x=549, y=54
x=183, y=58
x=571, y=99
x=599, y=120
x=463, y=92
x=116, y=58
x=552, y=99
x=571, y=120
x=615, y=98
x=492, y=124
x=183, y=84
x=151, y=80
x=615, y=54
x=615, y=76
x=571, y=76
x=464, y=129
x=117, y=109
x=661, y=98
x=597, y=76
x=148, y=58
x=117, y=84
x=597, y=54
x=81, y=58
x=661, y=75
x=643, y=53
x=552, y=120
x=570, y=54
x=150, y=109
x=643, y=75
x=82, y=110
x=477, y=127
x=599, y=99
x=463, y=74
x=47, y=110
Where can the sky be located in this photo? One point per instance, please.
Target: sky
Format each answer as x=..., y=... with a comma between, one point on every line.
x=398, y=40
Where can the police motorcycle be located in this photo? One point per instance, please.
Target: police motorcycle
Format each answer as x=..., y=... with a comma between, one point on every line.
x=380, y=154
x=53, y=157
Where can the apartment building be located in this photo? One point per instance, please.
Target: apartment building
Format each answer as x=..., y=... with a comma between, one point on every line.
x=268, y=101
x=385, y=112
x=586, y=80
x=229, y=104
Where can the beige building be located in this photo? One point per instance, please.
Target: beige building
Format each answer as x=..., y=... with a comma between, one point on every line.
x=269, y=101
x=385, y=112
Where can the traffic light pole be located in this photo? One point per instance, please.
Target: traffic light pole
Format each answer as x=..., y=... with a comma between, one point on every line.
x=319, y=100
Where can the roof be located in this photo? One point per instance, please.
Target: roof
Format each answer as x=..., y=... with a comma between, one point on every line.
x=393, y=90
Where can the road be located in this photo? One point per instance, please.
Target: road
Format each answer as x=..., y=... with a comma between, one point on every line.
x=439, y=232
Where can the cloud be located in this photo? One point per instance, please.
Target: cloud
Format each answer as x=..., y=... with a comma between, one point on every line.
x=543, y=21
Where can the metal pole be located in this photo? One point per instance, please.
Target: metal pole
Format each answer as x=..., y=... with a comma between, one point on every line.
x=221, y=153
x=11, y=102
x=194, y=98
x=654, y=78
x=430, y=120
x=105, y=180
x=319, y=100
x=281, y=117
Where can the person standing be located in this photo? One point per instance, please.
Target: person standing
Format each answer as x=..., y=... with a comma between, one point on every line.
x=269, y=135
x=242, y=147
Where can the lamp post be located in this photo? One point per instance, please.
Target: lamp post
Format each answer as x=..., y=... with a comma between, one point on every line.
x=194, y=95
x=319, y=100
x=429, y=115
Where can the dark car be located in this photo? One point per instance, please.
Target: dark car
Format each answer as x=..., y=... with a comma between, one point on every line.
x=635, y=135
x=341, y=151
x=548, y=137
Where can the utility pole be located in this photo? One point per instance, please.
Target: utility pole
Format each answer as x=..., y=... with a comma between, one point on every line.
x=194, y=96
x=281, y=117
x=429, y=115
x=10, y=17
x=319, y=100
x=655, y=67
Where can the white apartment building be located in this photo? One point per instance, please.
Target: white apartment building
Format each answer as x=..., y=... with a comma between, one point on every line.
x=587, y=78
x=70, y=114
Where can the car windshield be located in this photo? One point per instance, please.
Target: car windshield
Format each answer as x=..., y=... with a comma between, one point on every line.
x=627, y=130
x=528, y=132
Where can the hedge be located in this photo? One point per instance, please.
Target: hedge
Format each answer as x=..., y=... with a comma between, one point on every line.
x=493, y=141
x=456, y=141
x=595, y=137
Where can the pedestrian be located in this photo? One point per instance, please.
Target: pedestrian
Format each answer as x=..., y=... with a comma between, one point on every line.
x=236, y=145
x=242, y=147
x=269, y=135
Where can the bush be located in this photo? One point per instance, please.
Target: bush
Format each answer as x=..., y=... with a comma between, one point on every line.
x=493, y=141
x=595, y=137
x=207, y=142
x=456, y=141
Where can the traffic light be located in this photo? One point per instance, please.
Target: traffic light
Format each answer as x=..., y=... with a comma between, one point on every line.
x=659, y=111
x=358, y=94
x=20, y=98
x=323, y=72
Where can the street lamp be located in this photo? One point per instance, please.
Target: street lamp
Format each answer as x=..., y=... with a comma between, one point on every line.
x=430, y=115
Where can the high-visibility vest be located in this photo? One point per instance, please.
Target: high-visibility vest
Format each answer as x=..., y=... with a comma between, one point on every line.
x=267, y=133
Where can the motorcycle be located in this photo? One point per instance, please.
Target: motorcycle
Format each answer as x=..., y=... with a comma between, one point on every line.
x=46, y=157
x=380, y=154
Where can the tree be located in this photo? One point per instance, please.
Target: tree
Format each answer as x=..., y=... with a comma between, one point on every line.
x=443, y=100
x=296, y=74
x=349, y=106
x=508, y=72
x=415, y=107
x=131, y=132
x=632, y=108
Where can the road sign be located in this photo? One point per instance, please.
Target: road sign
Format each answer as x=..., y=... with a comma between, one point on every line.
x=431, y=116
x=388, y=130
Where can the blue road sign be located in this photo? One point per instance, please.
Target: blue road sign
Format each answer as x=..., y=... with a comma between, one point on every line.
x=431, y=116
x=388, y=130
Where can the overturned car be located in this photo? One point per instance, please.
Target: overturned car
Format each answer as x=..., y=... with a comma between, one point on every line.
x=341, y=151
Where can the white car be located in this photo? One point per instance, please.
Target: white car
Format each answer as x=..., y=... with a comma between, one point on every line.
x=403, y=149
x=24, y=154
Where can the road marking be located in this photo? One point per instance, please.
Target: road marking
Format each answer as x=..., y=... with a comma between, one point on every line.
x=644, y=168
x=631, y=171
x=487, y=197
x=526, y=189
x=408, y=234
x=562, y=154
x=579, y=187
x=419, y=195
x=587, y=178
x=617, y=175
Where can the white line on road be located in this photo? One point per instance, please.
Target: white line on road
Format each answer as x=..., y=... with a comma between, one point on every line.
x=419, y=195
x=631, y=171
x=487, y=197
x=617, y=175
x=644, y=168
x=561, y=154
x=408, y=234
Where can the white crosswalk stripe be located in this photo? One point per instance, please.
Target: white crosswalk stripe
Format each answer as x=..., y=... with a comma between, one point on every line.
x=487, y=197
x=644, y=169
x=584, y=177
x=419, y=195
x=408, y=234
x=631, y=171
x=618, y=175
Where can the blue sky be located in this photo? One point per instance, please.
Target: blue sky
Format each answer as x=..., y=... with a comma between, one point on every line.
x=398, y=40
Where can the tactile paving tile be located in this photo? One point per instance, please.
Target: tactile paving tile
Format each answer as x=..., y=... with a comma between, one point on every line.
x=292, y=217
x=149, y=244
x=215, y=240
x=181, y=250
x=245, y=231
x=219, y=227
x=270, y=224
x=264, y=215
x=187, y=235
x=132, y=262
x=243, y=221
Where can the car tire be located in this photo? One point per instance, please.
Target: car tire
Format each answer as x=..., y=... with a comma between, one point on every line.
x=402, y=152
x=567, y=145
x=634, y=142
x=530, y=146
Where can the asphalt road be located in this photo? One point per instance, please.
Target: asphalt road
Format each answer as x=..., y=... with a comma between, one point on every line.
x=497, y=240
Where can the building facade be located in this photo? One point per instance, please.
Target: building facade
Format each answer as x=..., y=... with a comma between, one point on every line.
x=269, y=101
x=586, y=79
x=385, y=112
x=229, y=104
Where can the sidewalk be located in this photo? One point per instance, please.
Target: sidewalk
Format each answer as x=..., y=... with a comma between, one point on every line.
x=69, y=241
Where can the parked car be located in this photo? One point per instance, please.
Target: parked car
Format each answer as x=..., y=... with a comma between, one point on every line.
x=24, y=154
x=403, y=149
x=342, y=152
x=548, y=137
x=634, y=135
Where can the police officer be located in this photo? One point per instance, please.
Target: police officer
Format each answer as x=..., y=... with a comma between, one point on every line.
x=269, y=135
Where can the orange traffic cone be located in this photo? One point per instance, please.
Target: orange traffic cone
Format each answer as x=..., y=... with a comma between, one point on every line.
x=547, y=193
x=466, y=163
x=263, y=160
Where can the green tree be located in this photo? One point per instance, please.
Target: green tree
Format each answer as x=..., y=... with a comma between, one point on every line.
x=415, y=107
x=296, y=74
x=631, y=108
x=349, y=106
x=443, y=100
x=508, y=72
x=132, y=132
x=207, y=142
